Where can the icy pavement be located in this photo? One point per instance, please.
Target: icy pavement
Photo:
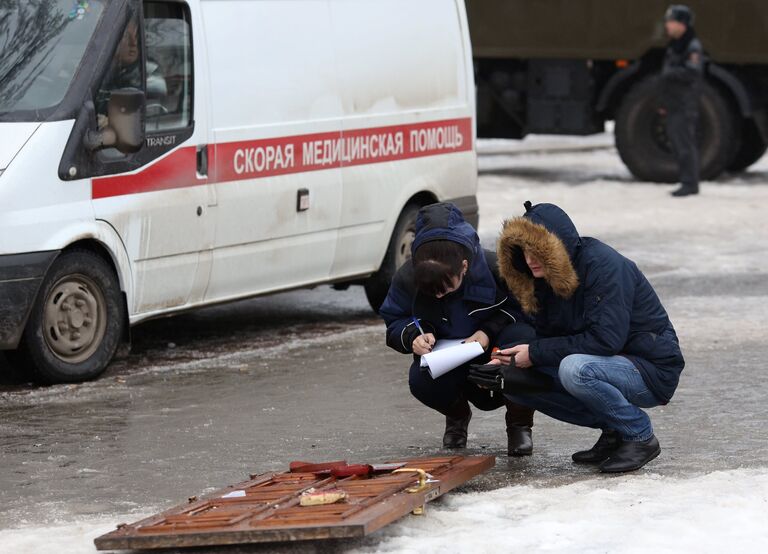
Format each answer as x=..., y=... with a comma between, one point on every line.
x=207, y=397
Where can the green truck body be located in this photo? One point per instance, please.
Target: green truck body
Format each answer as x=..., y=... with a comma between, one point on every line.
x=568, y=66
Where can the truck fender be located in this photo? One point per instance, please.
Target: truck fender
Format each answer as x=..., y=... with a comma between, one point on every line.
x=725, y=78
x=615, y=86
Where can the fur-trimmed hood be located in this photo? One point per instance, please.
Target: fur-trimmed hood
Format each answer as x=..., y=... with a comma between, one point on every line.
x=547, y=232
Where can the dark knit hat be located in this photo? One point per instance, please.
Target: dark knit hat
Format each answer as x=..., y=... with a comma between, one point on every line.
x=681, y=13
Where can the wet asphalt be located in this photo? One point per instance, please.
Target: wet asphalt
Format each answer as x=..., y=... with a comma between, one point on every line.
x=206, y=398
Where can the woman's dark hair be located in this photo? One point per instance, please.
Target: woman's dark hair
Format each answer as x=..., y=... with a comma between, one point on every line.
x=436, y=263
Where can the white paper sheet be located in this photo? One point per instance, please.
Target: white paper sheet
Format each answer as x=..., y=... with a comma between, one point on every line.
x=449, y=354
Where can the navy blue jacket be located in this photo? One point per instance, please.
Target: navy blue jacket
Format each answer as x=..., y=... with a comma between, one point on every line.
x=682, y=74
x=592, y=299
x=481, y=303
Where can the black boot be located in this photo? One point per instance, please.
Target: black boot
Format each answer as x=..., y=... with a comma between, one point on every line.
x=608, y=442
x=519, y=434
x=685, y=190
x=456, y=425
x=631, y=455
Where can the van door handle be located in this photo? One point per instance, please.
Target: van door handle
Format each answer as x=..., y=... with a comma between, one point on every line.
x=202, y=160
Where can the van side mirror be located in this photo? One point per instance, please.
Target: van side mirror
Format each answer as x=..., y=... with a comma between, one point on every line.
x=125, y=123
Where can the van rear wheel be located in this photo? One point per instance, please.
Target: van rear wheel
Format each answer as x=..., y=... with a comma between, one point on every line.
x=76, y=322
x=398, y=252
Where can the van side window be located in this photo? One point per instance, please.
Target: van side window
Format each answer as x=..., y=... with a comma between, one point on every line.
x=125, y=70
x=154, y=55
x=169, y=66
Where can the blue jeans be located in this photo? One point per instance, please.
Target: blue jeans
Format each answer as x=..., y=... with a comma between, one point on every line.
x=603, y=392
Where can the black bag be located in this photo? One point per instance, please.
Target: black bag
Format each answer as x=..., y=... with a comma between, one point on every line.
x=509, y=378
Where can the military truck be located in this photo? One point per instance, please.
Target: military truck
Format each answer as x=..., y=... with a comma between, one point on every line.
x=568, y=66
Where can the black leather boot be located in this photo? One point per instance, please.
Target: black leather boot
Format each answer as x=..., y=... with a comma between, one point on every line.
x=457, y=425
x=631, y=456
x=519, y=433
x=685, y=190
x=608, y=442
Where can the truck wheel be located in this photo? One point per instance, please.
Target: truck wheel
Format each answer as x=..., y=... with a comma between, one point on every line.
x=398, y=252
x=641, y=135
x=76, y=321
x=752, y=148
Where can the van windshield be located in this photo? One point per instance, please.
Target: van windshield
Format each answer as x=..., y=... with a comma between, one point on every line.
x=41, y=45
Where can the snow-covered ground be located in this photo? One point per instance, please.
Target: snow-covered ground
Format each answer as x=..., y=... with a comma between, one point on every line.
x=77, y=461
x=546, y=143
x=71, y=537
x=724, y=511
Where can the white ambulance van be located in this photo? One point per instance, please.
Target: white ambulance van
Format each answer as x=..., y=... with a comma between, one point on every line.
x=158, y=156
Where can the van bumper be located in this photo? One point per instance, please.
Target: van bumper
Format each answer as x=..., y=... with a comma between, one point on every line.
x=20, y=279
x=468, y=206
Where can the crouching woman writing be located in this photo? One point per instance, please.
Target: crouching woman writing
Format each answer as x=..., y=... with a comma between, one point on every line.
x=451, y=287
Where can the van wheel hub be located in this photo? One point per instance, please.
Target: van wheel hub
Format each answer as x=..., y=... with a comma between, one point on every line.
x=404, y=248
x=75, y=318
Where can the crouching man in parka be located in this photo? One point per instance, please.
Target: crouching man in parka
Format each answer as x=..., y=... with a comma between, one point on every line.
x=602, y=333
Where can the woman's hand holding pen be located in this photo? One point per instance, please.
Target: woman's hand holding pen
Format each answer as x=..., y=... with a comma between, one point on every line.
x=423, y=344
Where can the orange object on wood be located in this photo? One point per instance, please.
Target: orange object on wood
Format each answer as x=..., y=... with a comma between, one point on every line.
x=309, y=467
x=267, y=508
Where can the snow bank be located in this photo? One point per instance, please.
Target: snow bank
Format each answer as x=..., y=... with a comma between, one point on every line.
x=724, y=511
x=717, y=512
x=72, y=538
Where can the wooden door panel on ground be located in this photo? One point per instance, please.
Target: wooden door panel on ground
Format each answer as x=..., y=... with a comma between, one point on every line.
x=267, y=508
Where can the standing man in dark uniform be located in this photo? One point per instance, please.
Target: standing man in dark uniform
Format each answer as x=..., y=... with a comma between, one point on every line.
x=681, y=78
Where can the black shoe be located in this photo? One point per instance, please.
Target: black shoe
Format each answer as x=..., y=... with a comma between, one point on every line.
x=519, y=441
x=631, y=455
x=608, y=442
x=456, y=431
x=685, y=190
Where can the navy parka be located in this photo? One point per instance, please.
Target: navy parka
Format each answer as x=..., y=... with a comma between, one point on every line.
x=481, y=303
x=592, y=299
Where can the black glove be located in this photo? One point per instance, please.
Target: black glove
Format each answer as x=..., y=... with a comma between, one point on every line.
x=509, y=378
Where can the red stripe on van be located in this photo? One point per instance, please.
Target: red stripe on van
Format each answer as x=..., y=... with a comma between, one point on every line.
x=254, y=159
x=176, y=170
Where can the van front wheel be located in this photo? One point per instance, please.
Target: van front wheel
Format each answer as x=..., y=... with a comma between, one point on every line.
x=76, y=322
x=398, y=252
